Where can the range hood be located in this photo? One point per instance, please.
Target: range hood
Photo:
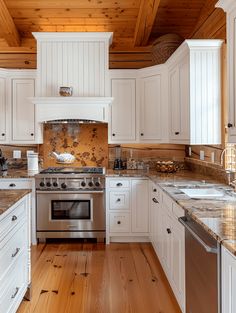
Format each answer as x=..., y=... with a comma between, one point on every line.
x=77, y=60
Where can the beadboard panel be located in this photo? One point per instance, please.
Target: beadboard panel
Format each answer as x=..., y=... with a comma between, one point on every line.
x=81, y=65
x=205, y=77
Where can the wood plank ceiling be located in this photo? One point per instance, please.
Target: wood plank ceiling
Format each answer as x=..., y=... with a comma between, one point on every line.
x=142, y=28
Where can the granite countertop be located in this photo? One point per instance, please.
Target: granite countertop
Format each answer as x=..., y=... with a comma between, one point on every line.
x=10, y=197
x=16, y=173
x=217, y=215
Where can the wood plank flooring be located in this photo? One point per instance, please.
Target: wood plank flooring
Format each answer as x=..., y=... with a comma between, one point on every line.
x=95, y=278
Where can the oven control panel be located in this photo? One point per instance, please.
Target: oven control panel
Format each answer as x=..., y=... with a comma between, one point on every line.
x=69, y=183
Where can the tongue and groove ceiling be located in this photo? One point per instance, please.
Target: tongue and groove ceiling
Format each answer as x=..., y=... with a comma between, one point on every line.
x=146, y=32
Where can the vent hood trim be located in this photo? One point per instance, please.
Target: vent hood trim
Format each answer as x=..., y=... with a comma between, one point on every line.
x=62, y=108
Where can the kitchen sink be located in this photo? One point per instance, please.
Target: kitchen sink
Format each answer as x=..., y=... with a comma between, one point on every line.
x=202, y=192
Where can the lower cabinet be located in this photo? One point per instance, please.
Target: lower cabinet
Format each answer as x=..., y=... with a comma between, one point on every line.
x=168, y=239
x=127, y=210
x=228, y=286
x=14, y=255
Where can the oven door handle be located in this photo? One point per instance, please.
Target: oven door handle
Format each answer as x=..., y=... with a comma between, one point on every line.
x=70, y=192
x=208, y=249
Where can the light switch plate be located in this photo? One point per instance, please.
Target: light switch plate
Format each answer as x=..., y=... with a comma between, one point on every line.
x=202, y=155
x=189, y=151
x=29, y=152
x=213, y=157
x=16, y=154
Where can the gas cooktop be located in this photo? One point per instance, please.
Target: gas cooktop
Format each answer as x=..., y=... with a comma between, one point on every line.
x=73, y=170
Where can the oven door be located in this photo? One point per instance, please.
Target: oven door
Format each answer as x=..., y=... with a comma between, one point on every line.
x=70, y=211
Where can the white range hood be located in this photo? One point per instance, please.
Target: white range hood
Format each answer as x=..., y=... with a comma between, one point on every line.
x=77, y=60
x=62, y=108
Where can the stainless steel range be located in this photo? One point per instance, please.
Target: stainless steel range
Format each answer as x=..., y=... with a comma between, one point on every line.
x=70, y=202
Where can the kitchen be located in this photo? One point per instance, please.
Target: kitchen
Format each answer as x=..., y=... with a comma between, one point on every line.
x=117, y=156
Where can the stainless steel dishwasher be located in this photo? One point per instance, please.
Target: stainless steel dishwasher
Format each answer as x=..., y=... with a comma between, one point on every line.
x=202, y=262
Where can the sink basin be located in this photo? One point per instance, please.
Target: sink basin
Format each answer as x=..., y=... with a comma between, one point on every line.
x=202, y=192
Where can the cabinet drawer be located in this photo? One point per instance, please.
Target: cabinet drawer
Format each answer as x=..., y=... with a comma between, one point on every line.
x=14, y=286
x=12, y=247
x=119, y=222
x=13, y=218
x=15, y=184
x=119, y=200
x=119, y=183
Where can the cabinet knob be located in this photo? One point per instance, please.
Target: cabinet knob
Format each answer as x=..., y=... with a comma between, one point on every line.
x=113, y=135
x=3, y=134
x=12, y=185
x=230, y=125
x=14, y=218
x=119, y=184
x=154, y=190
x=118, y=200
x=118, y=222
x=31, y=134
x=176, y=133
x=168, y=230
x=142, y=134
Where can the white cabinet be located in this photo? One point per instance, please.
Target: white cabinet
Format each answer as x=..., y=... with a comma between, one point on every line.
x=3, y=110
x=229, y=7
x=23, y=115
x=194, y=80
x=24, y=183
x=168, y=239
x=127, y=210
x=228, y=284
x=15, y=275
x=123, y=111
x=152, y=100
x=139, y=212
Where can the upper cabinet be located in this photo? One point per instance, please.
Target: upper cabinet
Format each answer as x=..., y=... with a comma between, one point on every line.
x=194, y=81
x=152, y=105
x=23, y=117
x=17, y=119
x=123, y=110
x=229, y=7
x=3, y=110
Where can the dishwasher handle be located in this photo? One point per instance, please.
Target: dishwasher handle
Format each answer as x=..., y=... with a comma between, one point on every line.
x=208, y=249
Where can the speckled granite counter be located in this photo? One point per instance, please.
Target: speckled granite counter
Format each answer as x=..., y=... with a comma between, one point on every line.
x=10, y=197
x=217, y=216
x=16, y=173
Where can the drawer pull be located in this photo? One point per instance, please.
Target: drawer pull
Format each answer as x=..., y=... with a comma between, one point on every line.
x=15, y=293
x=12, y=185
x=168, y=230
x=14, y=218
x=176, y=133
x=118, y=200
x=155, y=200
x=119, y=184
x=118, y=222
x=15, y=253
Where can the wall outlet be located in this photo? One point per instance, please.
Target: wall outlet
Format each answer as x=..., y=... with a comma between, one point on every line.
x=16, y=154
x=189, y=151
x=29, y=152
x=213, y=157
x=202, y=155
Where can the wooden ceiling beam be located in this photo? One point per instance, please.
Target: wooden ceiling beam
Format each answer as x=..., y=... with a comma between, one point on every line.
x=8, y=28
x=146, y=17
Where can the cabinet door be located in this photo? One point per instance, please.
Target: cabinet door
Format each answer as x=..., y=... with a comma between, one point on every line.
x=2, y=110
x=178, y=261
x=150, y=113
x=179, y=102
x=166, y=241
x=140, y=210
x=123, y=110
x=23, y=115
x=228, y=282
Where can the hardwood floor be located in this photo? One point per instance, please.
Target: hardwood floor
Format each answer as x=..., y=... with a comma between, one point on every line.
x=95, y=278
